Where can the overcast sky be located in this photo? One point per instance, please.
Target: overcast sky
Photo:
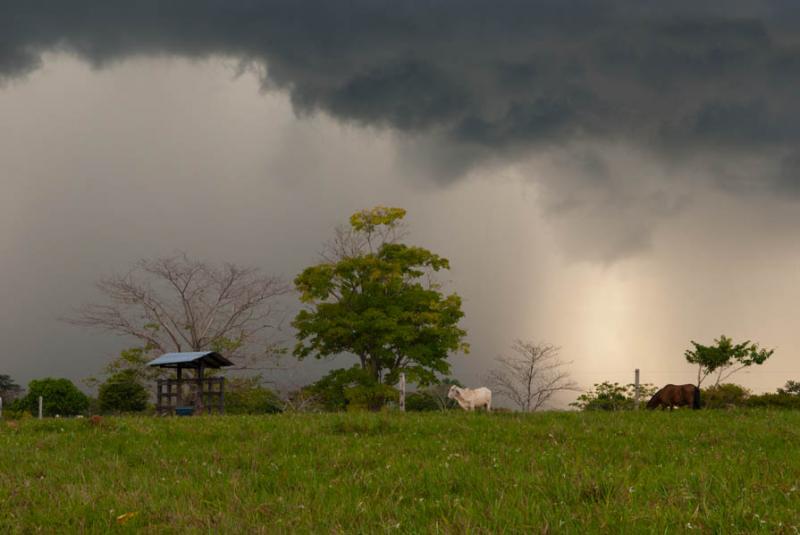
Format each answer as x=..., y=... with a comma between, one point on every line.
x=616, y=178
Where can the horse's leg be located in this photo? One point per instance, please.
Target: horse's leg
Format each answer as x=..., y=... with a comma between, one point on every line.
x=489, y=406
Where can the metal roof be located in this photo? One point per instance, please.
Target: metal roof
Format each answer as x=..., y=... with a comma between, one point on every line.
x=210, y=359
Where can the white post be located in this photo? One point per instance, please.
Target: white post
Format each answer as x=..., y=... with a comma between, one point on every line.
x=40, y=407
x=636, y=395
x=403, y=392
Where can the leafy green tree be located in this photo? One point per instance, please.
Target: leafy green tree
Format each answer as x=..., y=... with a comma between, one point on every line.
x=247, y=395
x=9, y=390
x=724, y=358
x=122, y=392
x=607, y=396
x=59, y=396
x=375, y=298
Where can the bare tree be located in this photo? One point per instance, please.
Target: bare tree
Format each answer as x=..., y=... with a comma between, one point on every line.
x=177, y=303
x=531, y=376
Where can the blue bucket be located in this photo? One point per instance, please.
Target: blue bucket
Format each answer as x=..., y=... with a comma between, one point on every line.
x=184, y=411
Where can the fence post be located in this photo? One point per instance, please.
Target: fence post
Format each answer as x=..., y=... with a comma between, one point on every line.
x=1, y=406
x=40, y=407
x=403, y=392
x=636, y=394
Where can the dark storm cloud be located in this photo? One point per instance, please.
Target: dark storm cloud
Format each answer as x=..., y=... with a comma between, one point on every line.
x=681, y=79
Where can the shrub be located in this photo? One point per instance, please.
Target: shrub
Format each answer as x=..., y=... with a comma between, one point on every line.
x=122, y=392
x=341, y=388
x=774, y=401
x=246, y=395
x=59, y=396
x=607, y=396
x=724, y=396
x=421, y=402
x=372, y=396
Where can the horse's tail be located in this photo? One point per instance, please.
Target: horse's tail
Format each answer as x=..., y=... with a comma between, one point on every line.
x=696, y=402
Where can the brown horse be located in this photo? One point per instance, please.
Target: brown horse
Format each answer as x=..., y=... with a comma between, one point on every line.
x=676, y=396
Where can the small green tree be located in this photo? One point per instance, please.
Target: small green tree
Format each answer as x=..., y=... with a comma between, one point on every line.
x=122, y=392
x=9, y=390
x=131, y=361
x=724, y=358
x=608, y=396
x=59, y=396
x=376, y=298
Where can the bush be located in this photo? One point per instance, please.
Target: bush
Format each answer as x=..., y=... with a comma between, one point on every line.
x=372, y=396
x=724, y=396
x=246, y=395
x=421, y=402
x=60, y=396
x=122, y=392
x=343, y=387
x=774, y=401
x=607, y=396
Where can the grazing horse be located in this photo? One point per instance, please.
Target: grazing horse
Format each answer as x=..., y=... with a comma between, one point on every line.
x=470, y=398
x=675, y=396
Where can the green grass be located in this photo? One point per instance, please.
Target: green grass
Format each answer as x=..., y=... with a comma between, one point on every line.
x=648, y=472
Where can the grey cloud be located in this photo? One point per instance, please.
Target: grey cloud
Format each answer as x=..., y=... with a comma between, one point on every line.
x=469, y=82
x=489, y=73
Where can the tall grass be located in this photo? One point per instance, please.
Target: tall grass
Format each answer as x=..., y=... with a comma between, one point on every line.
x=648, y=472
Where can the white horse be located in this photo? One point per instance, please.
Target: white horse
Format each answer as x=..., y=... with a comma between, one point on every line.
x=470, y=398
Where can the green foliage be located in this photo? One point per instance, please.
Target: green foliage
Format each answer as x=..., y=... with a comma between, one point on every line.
x=725, y=358
x=421, y=402
x=367, y=221
x=371, y=397
x=723, y=396
x=132, y=361
x=381, y=306
x=247, y=395
x=608, y=396
x=350, y=389
x=60, y=396
x=773, y=401
x=122, y=392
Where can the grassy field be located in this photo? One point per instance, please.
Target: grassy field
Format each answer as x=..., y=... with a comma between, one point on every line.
x=706, y=471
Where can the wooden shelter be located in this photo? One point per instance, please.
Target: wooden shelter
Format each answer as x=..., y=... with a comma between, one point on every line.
x=193, y=394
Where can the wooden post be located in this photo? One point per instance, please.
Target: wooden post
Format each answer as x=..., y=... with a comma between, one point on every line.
x=222, y=396
x=1, y=407
x=40, y=407
x=179, y=393
x=199, y=399
x=403, y=392
x=636, y=392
